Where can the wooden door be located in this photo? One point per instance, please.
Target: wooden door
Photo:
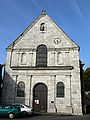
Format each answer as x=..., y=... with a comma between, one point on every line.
x=40, y=98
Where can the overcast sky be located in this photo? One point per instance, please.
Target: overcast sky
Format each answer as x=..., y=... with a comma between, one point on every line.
x=72, y=16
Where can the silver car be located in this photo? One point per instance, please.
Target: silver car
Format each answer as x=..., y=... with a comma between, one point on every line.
x=25, y=110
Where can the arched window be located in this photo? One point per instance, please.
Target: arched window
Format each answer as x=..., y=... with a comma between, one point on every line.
x=60, y=89
x=42, y=27
x=21, y=89
x=41, y=55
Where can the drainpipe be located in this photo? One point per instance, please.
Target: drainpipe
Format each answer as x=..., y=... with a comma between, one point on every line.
x=71, y=95
x=55, y=93
x=30, y=89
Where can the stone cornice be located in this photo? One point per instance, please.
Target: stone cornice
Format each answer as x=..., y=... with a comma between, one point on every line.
x=42, y=68
x=49, y=49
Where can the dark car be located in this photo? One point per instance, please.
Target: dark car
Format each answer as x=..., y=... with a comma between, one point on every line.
x=9, y=110
x=88, y=107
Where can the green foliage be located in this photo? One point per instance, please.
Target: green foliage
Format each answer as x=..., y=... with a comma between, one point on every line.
x=87, y=79
x=88, y=96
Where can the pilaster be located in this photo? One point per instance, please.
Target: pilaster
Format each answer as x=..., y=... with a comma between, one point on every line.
x=68, y=95
x=28, y=91
x=52, y=95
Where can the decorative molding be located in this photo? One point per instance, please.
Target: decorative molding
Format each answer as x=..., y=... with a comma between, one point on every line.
x=49, y=49
x=33, y=73
x=42, y=68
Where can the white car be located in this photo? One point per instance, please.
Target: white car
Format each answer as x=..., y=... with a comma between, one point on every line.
x=25, y=110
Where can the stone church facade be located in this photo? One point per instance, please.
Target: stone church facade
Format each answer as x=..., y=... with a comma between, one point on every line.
x=42, y=69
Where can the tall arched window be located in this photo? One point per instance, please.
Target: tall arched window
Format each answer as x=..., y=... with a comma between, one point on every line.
x=21, y=89
x=60, y=89
x=41, y=55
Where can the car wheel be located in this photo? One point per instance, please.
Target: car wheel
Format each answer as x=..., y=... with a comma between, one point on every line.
x=24, y=114
x=11, y=115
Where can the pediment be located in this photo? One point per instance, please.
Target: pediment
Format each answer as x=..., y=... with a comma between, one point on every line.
x=53, y=36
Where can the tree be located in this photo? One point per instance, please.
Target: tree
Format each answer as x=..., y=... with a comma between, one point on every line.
x=87, y=79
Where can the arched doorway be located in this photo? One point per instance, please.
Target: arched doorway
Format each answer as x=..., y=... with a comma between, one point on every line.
x=40, y=98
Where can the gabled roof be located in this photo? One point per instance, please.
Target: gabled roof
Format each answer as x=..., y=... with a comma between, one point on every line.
x=31, y=25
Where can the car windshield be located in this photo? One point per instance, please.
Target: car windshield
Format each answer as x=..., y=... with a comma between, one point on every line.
x=27, y=106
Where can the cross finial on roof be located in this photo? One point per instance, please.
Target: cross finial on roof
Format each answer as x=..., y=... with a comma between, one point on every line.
x=43, y=11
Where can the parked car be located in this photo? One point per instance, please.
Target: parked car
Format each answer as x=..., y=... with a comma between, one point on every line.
x=88, y=107
x=25, y=110
x=9, y=110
